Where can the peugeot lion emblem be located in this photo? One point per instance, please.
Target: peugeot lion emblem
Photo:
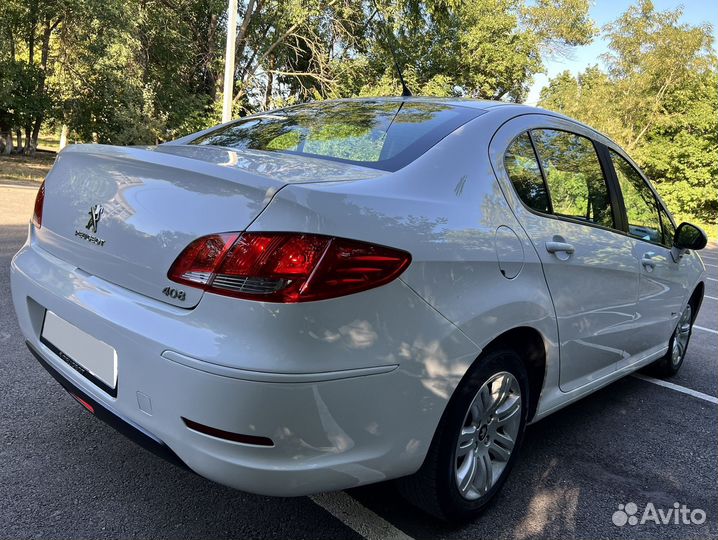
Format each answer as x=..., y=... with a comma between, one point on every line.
x=95, y=213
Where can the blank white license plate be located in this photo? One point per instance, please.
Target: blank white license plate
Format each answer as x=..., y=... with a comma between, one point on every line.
x=95, y=359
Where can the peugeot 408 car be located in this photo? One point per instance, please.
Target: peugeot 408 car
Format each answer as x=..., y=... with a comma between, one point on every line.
x=347, y=292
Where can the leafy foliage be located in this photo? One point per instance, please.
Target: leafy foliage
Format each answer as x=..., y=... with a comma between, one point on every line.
x=658, y=99
x=139, y=71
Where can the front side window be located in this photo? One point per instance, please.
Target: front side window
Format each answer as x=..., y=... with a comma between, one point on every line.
x=641, y=205
x=575, y=180
x=525, y=174
x=381, y=134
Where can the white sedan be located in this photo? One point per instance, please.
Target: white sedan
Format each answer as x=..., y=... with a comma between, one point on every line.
x=346, y=292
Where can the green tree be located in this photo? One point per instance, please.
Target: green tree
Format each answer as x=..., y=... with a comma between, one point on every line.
x=488, y=49
x=658, y=99
x=115, y=71
x=21, y=98
x=139, y=71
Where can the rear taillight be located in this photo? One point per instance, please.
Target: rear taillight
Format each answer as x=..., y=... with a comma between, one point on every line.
x=39, y=203
x=285, y=267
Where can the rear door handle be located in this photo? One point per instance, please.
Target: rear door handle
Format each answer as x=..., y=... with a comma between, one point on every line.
x=558, y=247
x=647, y=262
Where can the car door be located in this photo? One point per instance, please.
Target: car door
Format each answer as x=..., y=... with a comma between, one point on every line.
x=565, y=206
x=662, y=286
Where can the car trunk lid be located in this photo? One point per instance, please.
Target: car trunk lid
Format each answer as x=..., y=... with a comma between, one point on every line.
x=124, y=214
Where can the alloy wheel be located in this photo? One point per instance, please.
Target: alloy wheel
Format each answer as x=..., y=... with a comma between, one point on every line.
x=488, y=435
x=681, y=336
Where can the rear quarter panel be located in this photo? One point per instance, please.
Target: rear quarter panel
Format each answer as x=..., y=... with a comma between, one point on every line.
x=446, y=209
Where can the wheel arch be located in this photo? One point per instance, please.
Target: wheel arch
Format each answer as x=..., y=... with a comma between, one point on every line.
x=696, y=300
x=529, y=344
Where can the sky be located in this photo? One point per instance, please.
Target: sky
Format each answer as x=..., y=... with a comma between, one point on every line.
x=605, y=11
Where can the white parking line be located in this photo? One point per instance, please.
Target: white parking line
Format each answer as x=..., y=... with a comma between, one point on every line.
x=711, y=279
x=20, y=186
x=358, y=517
x=678, y=388
x=713, y=265
x=705, y=329
x=711, y=297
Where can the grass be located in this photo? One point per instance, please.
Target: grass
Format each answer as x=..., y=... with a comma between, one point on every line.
x=49, y=141
x=711, y=229
x=25, y=169
x=14, y=168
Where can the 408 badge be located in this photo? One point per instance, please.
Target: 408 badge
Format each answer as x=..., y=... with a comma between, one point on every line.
x=174, y=293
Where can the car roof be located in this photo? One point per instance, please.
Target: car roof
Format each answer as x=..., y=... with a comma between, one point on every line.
x=485, y=105
x=480, y=104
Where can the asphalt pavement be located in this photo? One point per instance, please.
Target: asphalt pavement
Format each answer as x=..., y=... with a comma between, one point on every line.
x=64, y=474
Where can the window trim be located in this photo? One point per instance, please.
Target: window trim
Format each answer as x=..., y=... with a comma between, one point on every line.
x=614, y=187
x=605, y=170
x=541, y=171
x=670, y=218
x=646, y=182
x=543, y=177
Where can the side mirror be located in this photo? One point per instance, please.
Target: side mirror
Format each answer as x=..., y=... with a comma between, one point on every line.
x=689, y=236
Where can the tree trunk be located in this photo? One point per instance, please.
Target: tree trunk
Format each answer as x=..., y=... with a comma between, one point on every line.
x=28, y=150
x=242, y=36
x=270, y=83
x=31, y=36
x=31, y=45
x=251, y=71
x=63, y=136
x=210, y=76
x=253, y=6
x=229, y=71
x=45, y=51
x=36, y=133
x=18, y=140
x=8, y=143
x=32, y=136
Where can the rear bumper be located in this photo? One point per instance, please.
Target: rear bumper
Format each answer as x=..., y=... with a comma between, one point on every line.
x=132, y=432
x=340, y=426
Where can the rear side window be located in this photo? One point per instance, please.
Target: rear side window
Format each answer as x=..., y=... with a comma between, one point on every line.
x=574, y=178
x=381, y=134
x=525, y=174
x=644, y=221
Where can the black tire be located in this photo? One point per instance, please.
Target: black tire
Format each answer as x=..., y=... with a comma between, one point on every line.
x=669, y=365
x=434, y=487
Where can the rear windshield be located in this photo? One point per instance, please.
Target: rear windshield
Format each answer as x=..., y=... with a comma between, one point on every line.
x=384, y=135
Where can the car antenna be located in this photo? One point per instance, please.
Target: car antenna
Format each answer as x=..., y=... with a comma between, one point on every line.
x=405, y=92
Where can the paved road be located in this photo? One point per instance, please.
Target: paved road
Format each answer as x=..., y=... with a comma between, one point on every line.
x=66, y=475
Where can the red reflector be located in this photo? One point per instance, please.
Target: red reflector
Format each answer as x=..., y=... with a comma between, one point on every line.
x=83, y=403
x=39, y=205
x=286, y=267
x=228, y=435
